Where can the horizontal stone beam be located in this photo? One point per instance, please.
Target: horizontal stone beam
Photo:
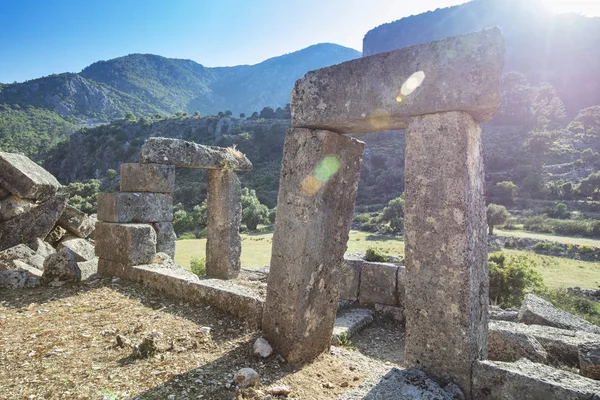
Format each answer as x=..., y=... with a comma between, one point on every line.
x=381, y=92
x=184, y=154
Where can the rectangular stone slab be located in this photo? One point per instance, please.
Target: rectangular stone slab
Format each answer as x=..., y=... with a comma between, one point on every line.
x=26, y=179
x=378, y=284
x=223, y=242
x=135, y=207
x=319, y=178
x=371, y=94
x=445, y=247
x=34, y=224
x=128, y=244
x=156, y=178
x=76, y=222
x=184, y=154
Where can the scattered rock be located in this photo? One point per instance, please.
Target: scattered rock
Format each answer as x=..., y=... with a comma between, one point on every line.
x=507, y=345
x=89, y=269
x=408, y=384
x=262, y=348
x=246, y=377
x=55, y=235
x=76, y=222
x=454, y=391
x=36, y=223
x=328, y=385
x=61, y=266
x=81, y=248
x=279, y=390
x=41, y=247
x=498, y=314
x=539, y=312
x=14, y=279
x=589, y=360
x=33, y=271
x=18, y=252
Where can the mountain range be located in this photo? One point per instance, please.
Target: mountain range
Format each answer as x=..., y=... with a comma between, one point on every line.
x=146, y=84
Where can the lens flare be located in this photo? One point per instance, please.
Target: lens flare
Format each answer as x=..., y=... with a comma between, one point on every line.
x=380, y=119
x=311, y=185
x=412, y=83
x=327, y=168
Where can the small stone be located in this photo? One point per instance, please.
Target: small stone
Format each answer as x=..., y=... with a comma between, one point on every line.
x=328, y=385
x=262, y=348
x=246, y=377
x=344, y=384
x=205, y=330
x=279, y=390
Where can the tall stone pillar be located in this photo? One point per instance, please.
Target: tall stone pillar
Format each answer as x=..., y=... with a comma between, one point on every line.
x=445, y=247
x=319, y=179
x=223, y=244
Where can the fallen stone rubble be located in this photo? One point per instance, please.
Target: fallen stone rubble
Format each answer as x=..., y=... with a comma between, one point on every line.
x=42, y=238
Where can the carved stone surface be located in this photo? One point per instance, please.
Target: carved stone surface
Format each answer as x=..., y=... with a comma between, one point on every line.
x=156, y=178
x=445, y=247
x=128, y=244
x=135, y=207
x=317, y=190
x=381, y=92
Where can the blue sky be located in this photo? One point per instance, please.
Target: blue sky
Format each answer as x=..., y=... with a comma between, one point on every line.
x=41, y=37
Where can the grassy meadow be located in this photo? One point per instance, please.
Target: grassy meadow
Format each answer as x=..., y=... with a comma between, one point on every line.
x=557, y=272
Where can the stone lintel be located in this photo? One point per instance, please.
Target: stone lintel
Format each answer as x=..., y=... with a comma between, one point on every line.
x=128, y=244
x=135, y=207
x=184, y=154
x=317, y=190
x=446, y=298
x=155, y=178
x=381, y=92
x=223, y=242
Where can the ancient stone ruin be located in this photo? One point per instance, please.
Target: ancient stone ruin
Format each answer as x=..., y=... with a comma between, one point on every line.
x=42, y=239
x=135, y=224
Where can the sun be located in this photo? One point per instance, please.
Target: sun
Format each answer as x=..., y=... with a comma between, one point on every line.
x=590, y=8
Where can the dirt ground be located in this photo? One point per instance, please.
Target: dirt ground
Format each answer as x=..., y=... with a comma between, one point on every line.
x=79, y=342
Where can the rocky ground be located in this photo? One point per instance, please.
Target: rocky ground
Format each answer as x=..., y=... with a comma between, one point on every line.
x=84, y=341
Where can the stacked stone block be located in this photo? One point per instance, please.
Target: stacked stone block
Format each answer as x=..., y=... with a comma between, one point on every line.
x=136, y=223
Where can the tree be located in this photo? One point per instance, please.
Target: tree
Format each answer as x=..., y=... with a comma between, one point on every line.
x=590, y=186
x=505, y=192
x=496, y=215
x=268, y=113
x=253, y=212
x=394, y=213
x=242, y=115
x=228, y=113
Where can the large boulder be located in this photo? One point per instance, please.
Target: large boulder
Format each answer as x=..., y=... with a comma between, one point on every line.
x=539, y=312
x=61, y=266
x=26, y=179
x=36, y=223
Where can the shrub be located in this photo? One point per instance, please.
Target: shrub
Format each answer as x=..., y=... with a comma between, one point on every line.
x=394, y=213
x=575, y=304
x=547, y=246
x=198, y=266
x=585, y=249
x=361, y=218
x=186, y=236
x=375, y=255
x=559, y=211
x=511, y=277
x=538, y=223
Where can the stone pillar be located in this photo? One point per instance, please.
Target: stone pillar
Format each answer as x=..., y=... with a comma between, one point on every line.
x=445, y=247
x=223, y=244
x=317, y=190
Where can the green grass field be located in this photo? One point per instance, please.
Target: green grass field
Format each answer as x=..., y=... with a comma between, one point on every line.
x=545, y=236
x=557, y=272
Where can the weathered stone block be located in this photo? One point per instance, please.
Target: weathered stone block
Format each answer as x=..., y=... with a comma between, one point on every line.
x=165, y=238
x=350, y=322
x=55, y=235
x=539, y=312
x=41, y=247
x=445, y=247
x=26, y=179
x=317, y=190
x=223, y=242
x=156, y=178
x=401, y=285
x=381, y=92
x=589, y=360
x=13, y=206
x=33, y=271
x=129, y=244
x=81, y=248
x=378, y=284
x=507, y=345
x=88, y=268
x=61, y=266
x=135, y=207
x=524, y=380
x=397, y=313
x=184, y=154
x=76, y=222
x=350, y=279
x=36, y=223
x=406, y=384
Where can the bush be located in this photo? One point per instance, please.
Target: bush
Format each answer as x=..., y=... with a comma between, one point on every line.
x=547, y=246
x=538, y=224
x=560, y=211
x=198, y=266
x=375, y=255
x=394, y=213
x=361, y=218
x=578, y=305
x=186, y=236
x=585, y=249
x=511, y=278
